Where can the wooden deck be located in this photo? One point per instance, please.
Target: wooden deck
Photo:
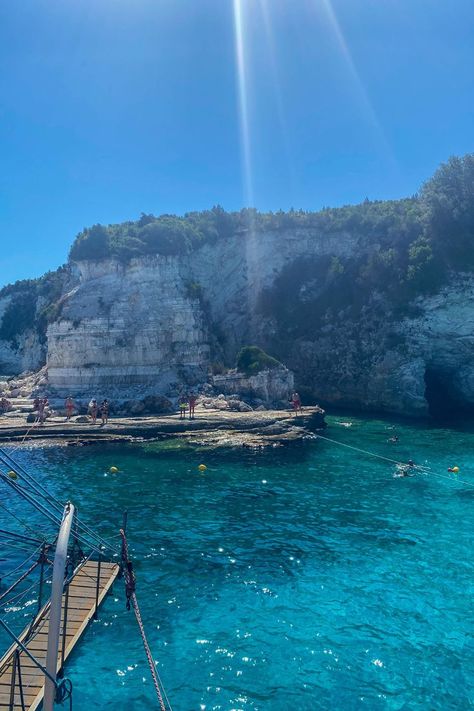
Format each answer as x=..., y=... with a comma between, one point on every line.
x=81, y=608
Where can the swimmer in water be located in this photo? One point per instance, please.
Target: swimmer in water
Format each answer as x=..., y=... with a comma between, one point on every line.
x=393, y=439
x=405, y=470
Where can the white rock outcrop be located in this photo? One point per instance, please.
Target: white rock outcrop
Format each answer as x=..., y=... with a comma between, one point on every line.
x=128, y=327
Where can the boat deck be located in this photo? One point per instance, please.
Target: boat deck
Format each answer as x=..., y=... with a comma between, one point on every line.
x=81, y=607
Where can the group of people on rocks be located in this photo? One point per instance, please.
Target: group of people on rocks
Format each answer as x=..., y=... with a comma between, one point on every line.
x=185, y=402
x=186, y=405
x=41, y=407
x=94, y=410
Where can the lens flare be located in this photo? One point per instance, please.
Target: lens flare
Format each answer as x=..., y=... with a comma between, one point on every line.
x=272, y=57
x=243, y=95
x=359, y=87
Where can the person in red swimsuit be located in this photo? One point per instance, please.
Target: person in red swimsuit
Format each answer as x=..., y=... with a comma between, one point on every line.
x=69, y=407
x=192, y=404
x=296, y=400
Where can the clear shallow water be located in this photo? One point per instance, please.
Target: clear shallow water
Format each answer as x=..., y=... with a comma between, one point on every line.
x=302, y=579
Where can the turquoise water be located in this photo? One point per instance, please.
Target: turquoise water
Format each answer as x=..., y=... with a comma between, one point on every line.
x=305, y=578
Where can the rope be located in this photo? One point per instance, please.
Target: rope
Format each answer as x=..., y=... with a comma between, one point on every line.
x=25, y=525
x=422, y=468
x=54, y=518
x=29, y=430
x=17, y=582
x=40, y=490
x=7, y=575
x=18, y=598
x=131, y=596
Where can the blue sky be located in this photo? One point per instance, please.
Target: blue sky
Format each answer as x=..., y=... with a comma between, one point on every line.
x=113, y=107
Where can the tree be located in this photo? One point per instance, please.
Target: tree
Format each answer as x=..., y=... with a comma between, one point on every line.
x=91, y=243
x=252, y=360
x=448, y=209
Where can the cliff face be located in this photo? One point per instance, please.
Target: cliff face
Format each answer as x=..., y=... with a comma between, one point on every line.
x=151, y=324
x=130, y=327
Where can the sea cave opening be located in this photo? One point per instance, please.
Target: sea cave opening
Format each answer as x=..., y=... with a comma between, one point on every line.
x=442, y=397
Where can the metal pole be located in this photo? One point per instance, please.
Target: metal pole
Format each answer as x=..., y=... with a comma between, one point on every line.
x=25, y=650
x=63, y=647
x=11, y=705
x=97, y=587
x=59, y=567
x=20, y=683
x=43, y=561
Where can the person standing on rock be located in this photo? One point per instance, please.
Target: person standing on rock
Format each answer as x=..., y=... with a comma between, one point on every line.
x=93, y=410
x=296, y=401
x=192, y=398
x=183, y=404
x=104, y=411
x=41, y=410
x=69, y=404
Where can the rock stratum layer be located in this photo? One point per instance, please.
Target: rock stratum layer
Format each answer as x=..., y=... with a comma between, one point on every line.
x=126, y=327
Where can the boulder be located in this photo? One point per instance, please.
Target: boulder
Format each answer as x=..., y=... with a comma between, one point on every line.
x=136, y=407
x=157, y=404
x=239, y=405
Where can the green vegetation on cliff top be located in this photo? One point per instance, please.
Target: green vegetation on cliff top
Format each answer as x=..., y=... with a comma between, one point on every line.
x=415, y=239
x=413, y=242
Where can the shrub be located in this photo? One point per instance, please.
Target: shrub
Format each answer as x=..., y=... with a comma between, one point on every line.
x=252, y=360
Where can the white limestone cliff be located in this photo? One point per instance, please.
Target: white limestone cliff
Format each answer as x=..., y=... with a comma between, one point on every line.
x=155, y=323
x=129, y=327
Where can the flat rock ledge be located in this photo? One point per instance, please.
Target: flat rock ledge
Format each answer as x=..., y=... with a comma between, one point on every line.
x=211, y=428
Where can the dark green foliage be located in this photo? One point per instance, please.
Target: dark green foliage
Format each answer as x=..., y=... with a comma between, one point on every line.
x=18, y=317
x=218, y=368
x=252, y=360
x=34, y=303
x=91, y=243
x=166, y=235
x=448, y=209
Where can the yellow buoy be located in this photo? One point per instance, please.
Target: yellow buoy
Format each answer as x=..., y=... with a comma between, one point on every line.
x=12, y=475
x=202, y=467
x=113, y=470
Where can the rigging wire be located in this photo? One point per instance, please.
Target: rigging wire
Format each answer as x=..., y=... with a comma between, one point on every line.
x=18, y=596
x=40, y=490
x=18, y=537
x=35, y=552
x=19, y=580
x=42, y=509
x=20, y=521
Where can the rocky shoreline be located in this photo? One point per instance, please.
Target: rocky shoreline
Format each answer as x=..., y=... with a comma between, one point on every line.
x=210, y=428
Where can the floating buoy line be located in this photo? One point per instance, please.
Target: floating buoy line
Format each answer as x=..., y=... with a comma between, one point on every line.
x=419, y=467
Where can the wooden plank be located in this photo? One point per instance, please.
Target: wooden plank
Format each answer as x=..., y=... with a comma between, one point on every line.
x=81, y=608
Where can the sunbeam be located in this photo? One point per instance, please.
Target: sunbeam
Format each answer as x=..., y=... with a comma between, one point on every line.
x=242, y=86
x=272, y=56
x=358, y=84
